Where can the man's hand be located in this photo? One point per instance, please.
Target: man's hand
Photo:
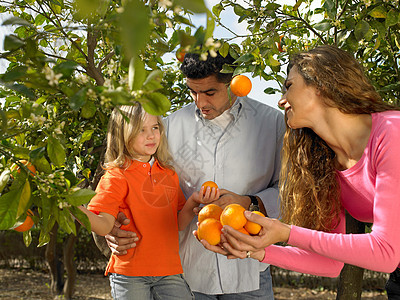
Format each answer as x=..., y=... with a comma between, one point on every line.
x=119, y=240
x=228, y=197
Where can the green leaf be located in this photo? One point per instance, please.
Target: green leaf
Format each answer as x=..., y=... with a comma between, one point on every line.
x=15, y=73
x=8, y=208
x=245, y=58
x=323, y=25
x=224, y=50
x=80, y=197
x=153, y=81
x=66, y=222
x=155, y=104
x=135, y=25
x=56, y=151
x=210, y=25
x=81, y=217
x=217, y=9
x=27, y=236
x=88, y=110
x=78, y=99
x=196, y=6
x=361, y=29
x=66, y=68
x=392, y=18
x=86, y=136
x=16, y=21
x=136, y=74
x=378, y=12
x=42, y=165
x=25, y=196
x=12, y=42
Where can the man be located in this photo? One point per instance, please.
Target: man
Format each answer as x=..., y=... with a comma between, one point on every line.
x=235, y=142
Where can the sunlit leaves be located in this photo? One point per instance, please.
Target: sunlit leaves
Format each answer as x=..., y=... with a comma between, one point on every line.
x=136, y=74
x=56, y=151
x=155, y=104
x=135, y=26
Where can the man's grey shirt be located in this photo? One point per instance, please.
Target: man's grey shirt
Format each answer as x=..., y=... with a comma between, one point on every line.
x=243, y=158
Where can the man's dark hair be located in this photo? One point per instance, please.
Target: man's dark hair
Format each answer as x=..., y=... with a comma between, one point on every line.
x=195, y=68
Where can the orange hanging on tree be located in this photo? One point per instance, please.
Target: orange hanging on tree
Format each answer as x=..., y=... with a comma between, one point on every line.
x=241, y=85
x=28, y=223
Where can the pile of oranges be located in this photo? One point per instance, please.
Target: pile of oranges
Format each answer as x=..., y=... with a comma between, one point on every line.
x=212, y=218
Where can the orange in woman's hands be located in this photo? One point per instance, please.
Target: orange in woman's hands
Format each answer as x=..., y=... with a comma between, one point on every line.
x=210, y=211
x=210, y=230
x=210, y=184
x=251, y=227
x=233, y=215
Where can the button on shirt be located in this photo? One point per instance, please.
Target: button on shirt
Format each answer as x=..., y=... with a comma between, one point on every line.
x=243, y=157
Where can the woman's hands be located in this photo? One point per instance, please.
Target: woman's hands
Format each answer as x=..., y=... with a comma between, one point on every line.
x=235, y=244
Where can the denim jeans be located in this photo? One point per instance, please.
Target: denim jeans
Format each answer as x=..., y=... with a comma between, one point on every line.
x=149, y=287
x=393, y=285
x=264, y=292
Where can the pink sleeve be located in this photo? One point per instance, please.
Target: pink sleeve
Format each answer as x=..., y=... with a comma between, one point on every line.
x=304, y=261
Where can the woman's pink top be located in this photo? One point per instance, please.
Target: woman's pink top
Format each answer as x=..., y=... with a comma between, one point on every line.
x=370, y=192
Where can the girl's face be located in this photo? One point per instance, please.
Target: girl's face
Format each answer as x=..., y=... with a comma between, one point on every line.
x=301, y=102
x=146, y=142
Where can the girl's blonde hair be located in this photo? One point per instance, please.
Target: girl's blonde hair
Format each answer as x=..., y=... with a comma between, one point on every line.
x=124, y=125
x=309, y=187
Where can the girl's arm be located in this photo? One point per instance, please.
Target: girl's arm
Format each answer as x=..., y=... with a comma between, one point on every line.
x=101, y=224
x=186, y=214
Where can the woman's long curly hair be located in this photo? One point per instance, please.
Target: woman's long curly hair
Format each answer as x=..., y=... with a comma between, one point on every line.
x=309, y=187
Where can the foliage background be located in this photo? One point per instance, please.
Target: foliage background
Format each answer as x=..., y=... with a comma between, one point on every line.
x=71, y=62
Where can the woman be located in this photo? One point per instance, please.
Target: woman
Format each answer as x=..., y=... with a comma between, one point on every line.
x=341, y=152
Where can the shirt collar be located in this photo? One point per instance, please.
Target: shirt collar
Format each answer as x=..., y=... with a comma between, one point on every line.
x=234, y=111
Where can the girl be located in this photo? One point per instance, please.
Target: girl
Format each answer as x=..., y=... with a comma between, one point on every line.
x=140, y=182
x=341, y=152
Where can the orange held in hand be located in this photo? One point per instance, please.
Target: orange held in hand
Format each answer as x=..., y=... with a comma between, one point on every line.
x=210, y=230
x=241, y=85
x=233, y=215
x=28, y=223
x=210, y=184
x=251, y=227
x=210, y=211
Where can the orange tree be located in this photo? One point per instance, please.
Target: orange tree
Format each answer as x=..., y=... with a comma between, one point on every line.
x=70, y=63
x=369, y=28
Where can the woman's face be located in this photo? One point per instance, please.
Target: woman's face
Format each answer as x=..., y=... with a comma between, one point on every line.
x=300, y=101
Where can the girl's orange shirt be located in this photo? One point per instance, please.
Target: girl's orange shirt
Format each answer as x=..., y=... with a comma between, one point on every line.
x=151, y=198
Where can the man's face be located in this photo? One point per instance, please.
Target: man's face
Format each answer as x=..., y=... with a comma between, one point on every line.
x=210, y=96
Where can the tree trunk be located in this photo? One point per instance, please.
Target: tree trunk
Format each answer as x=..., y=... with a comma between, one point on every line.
x=69, y=251
x=351, y=277
x=55, y=265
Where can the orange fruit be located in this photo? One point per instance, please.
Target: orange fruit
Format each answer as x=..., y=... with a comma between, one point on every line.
x=280, y=49
x=251, y=227
x=210, y=184
x=28, y=164
x=233, y=215
x=210, y=230
x=210, y=211
x=180, y=54
x=241, y=85
x=28, y=223
x=243, y=230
